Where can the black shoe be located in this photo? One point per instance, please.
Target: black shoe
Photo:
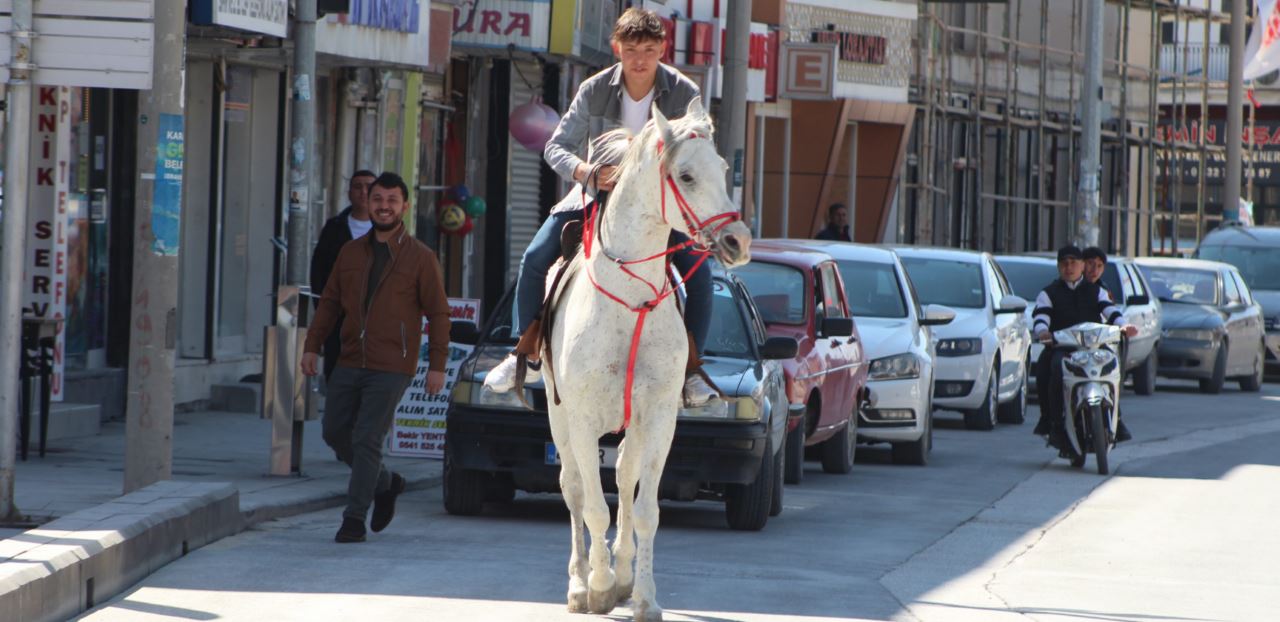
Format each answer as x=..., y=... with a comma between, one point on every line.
x=1122, y=433
x=352, y=530
x=1042, y=427
x=384, y=504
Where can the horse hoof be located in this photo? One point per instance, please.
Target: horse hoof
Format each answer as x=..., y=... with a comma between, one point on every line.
x=647, y=612
x=622, y=593
x=601, y=602
x=578, y=601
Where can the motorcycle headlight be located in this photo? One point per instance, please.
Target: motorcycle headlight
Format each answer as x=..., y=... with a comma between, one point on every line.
x=896, y=367
x=1191, y=334
x=959, y=347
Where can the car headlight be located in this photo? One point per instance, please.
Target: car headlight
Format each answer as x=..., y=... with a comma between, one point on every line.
x=896, y=367
x=741, y=409
x=475, y=394
x=959, y=347
x=1192, y=334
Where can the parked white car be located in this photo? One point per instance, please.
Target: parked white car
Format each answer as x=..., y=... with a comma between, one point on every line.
x=982, y=356
x=895, y=331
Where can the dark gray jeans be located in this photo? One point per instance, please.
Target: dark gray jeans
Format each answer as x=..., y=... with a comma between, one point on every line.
x=357, y=415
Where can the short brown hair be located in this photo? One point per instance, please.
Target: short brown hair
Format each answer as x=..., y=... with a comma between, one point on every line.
x=638, y=25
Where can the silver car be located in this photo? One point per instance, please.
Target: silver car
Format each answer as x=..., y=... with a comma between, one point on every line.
x=1255, y=252
x=1213, y=327
x=1028, y=274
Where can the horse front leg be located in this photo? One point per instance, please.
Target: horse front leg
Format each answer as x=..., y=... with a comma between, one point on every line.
x=586, y=452
x=657, y=443
x=571, y=490
x=624, y=541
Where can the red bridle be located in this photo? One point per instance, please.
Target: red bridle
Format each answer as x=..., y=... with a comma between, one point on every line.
x=701, y=241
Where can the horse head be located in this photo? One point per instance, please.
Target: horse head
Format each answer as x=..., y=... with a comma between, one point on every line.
x=693, y=178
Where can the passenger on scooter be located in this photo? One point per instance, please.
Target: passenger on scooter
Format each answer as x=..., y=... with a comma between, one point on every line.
x=1069, y=300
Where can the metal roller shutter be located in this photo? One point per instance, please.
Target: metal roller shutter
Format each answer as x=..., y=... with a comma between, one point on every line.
x=525, y=173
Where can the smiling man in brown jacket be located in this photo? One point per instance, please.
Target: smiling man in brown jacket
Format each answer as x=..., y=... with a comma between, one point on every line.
x=384, y=283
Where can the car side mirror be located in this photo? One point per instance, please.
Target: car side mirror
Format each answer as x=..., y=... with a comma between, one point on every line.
x=464, y=332
x=837, y=327
x=779, y=348
x=1137, y=300
x=936, y=315
x=1011, y=304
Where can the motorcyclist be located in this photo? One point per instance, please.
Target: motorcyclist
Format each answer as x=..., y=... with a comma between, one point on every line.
x=1069, y=300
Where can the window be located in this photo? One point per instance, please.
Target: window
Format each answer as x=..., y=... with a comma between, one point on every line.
x=1027, y=278
x=778, y=291
x=947, y=282
x=1139, y=288
x=832, y=301
x=1232, y=293
x=1111, y=281
x=1258, y=265
x=728, y=336
x=1183, y=284
x=1245, y=296
x=872, y=289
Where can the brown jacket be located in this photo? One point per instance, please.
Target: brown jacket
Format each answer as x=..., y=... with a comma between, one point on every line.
x=388, y=337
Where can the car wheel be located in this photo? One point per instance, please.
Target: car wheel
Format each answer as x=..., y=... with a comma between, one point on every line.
x=1015, y=411
x=837, y=451
x=775, y=506
x=984, y=417
x=463, y=489
x=1213, y=384
x=793, y=473
x=916, y=452
x=747, y=506
x=1253, y=382
x=1144, y=377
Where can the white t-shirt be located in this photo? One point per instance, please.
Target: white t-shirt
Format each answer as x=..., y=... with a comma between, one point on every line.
x=635, y=113
x=358, y=227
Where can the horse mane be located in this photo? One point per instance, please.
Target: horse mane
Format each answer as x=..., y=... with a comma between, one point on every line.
x=618, y=146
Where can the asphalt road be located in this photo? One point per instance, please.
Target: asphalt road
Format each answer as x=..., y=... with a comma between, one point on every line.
x=995, y=528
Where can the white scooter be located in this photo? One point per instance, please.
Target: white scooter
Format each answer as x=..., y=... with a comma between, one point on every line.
x=1090, y=390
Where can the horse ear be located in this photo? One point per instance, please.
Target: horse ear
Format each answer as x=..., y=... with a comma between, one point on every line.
x=695, y=109
x=664, y=126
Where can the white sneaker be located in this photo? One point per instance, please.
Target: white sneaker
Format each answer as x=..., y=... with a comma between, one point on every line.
x=697, y=392
x=503, y=377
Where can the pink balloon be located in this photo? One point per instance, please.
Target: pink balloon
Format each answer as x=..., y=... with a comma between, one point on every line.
x=532, y=124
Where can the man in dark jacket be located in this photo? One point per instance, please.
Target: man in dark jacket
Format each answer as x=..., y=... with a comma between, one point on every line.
x=837, y=228
x=348, y=225
x=384, y=284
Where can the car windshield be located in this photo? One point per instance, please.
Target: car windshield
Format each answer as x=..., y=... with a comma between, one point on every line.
x=1182, y=284
x=778, y=291
x=1028, y=278
x=947, y=282
x=1260, y=266
x=728, y=335
x=872, y=289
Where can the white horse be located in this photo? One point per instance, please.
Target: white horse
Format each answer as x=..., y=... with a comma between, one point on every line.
x=670, y=177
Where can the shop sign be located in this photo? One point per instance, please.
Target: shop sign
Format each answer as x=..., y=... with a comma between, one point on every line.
x=399, y=15
x=808, y=71
x=526, y=24
x=87, y=43
x=1260, y=156
x=417, y=429
x=854, y=47
x=44, y=291
x=269, y=17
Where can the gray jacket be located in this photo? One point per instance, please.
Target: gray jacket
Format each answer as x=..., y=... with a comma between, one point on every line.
x=596, y=109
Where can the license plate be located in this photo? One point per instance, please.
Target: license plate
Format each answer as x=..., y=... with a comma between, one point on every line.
x=608, y=456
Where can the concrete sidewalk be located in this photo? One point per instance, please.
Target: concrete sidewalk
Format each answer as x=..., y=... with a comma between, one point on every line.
x=77, y=474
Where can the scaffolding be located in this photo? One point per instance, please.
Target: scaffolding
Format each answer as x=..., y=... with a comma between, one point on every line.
x=993, y=163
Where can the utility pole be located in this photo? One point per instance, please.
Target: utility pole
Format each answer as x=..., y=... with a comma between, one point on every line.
x=148, y=455
x=1235, y=116
x=17, y=152
x=1087, y=199
x=303, y=141
x=733, y=97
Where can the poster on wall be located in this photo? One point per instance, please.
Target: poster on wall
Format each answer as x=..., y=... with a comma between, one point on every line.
x=417, y=429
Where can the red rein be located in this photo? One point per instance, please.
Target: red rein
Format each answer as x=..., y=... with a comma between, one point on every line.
x=696, y=226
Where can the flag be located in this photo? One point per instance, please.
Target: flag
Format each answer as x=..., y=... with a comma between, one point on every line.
x=1262, y=54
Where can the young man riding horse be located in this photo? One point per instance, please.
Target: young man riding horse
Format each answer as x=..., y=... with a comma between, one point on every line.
x=619, y=96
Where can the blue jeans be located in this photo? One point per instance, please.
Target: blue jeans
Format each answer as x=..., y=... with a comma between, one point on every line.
x=545, y=248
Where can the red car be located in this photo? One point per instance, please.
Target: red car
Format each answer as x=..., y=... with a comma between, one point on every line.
x=800, y=294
